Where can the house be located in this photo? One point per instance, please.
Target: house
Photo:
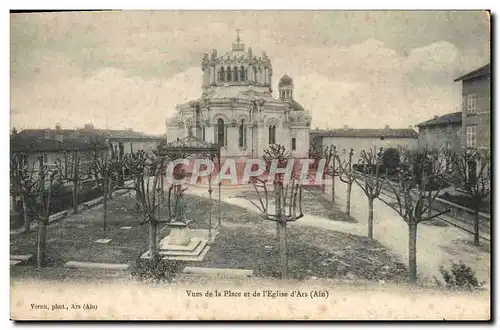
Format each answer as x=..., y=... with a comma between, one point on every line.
x=364, y=139
x=476, y=108
x=441, y=132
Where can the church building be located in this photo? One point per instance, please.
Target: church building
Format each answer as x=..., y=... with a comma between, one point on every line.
x=237, y=109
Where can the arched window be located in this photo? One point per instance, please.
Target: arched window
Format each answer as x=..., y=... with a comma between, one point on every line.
x=242, y=73
x=235, y=74
x=222, y=74
x=243, y=135
x=221, y=132
x=272, y=134
x=229, y=74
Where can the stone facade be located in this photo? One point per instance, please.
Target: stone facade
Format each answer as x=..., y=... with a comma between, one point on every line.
x=237, y=109
x=444, y=132
x=365, y=139
x=476, y=108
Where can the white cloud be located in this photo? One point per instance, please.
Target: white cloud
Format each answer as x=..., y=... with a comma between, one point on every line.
x=109, y=98
x=362, y=85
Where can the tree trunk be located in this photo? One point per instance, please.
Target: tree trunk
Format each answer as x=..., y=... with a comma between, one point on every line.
x=476, y=225
x=137, y=189
x=40, y=246
x=75, y=196
x=348, y=200
x=333, y=188
x=283, y=251
x=153, y=228
x=110, y=187
x=105, y=199
x=75, y=182
x=278, y=211
x=26, y=216
x=412, y=251
x=370, y=218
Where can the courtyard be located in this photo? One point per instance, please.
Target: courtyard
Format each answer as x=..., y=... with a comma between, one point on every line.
x=245, y=241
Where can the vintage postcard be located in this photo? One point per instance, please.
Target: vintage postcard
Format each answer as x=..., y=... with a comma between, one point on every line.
x=250, y=165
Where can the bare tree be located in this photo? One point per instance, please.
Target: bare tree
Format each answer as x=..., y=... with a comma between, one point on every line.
x=69, y=169
x=22, y=183
x=93, y=157
x=412, y=204
x=36, y=190
x=286, y=199
x=136, y=163
x=471, y=172
x=371, y=181
x=278, y=154
x=151, y=200
x=104, y=165
x=328, y=154
x=348, y=176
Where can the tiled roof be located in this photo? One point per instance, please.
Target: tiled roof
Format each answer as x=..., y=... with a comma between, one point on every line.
x=296, y=106
x=367, y=133
x=82, y=134
x=482, y=71
x=449, y=118
x=21, y=144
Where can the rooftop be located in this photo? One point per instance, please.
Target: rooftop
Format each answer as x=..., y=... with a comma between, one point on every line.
x=21, y=144
x=482, y=71
x=367, y=133
x=286, y=80
x=449, y=118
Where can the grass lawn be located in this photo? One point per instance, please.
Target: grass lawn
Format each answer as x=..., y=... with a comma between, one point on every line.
x=245, y=240
x=467, y=201
x=314, y=202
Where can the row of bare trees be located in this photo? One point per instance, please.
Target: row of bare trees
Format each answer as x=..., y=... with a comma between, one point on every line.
x=35, y=183
x=412, y=187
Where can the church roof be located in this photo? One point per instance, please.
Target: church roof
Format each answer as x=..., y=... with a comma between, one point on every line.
x=296, y=106
x=286, y=80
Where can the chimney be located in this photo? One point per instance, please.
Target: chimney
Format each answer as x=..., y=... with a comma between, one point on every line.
x=436, y=117
x=346, y=127
x=387, y=127
x=58, y=133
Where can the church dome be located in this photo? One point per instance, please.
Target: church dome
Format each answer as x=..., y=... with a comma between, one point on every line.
x=285, y=81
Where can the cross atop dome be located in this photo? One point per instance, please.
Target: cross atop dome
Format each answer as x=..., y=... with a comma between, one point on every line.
x=238, y=45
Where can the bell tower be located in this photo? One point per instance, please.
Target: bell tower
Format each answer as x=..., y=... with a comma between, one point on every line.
x=285, y=88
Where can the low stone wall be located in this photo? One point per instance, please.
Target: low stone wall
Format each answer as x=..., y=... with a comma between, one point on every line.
x=84, y=206
x=464, y=215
